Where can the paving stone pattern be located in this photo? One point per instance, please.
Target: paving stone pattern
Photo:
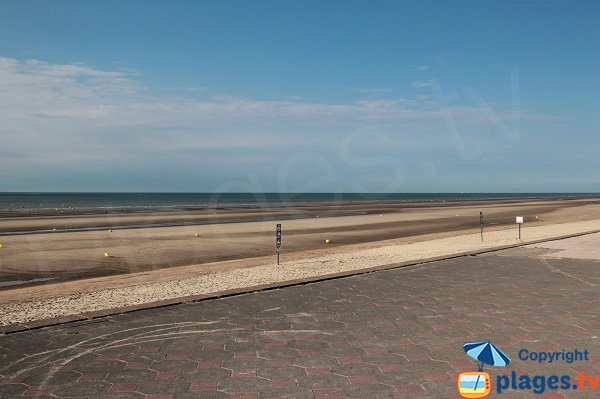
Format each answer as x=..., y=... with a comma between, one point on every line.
x=388, y=334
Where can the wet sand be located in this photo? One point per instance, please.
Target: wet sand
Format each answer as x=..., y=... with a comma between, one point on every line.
x=243, y=236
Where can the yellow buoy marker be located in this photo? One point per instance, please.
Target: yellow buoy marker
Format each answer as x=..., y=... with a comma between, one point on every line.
x=197, y=235
x=107, y=255
x=327, y=242
x=110, y=230
x=0, y=246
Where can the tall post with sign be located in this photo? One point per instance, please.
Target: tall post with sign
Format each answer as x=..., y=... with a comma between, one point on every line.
x=278, y=241
x=519, y=222
x=481, y=224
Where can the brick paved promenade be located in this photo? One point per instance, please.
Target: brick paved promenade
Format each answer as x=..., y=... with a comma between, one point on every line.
x=389, y=334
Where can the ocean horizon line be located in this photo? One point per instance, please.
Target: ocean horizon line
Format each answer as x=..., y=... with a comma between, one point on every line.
x=25, y=202
x=309, y=192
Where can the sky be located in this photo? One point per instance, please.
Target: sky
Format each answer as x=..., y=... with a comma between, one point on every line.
x=300, y=96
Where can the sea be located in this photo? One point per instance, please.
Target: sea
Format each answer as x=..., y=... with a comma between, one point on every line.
x=18, y=202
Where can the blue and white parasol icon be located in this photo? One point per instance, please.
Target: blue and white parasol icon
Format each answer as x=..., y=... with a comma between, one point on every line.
x=486, y=353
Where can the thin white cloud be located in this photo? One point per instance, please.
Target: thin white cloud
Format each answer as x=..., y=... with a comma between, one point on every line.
x=375, y=90
x=73, y=114
x=422, y=84
x=190, y=88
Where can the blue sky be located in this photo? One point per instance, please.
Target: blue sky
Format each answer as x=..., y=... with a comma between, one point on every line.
x=443, y=96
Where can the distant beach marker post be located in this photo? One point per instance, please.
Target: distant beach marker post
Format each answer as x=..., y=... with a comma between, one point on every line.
x=278, y=241
x=519, y=222
x=481, y=224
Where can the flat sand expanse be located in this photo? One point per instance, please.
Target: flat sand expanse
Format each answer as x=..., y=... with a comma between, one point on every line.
x=62, y=256
x=73, y=297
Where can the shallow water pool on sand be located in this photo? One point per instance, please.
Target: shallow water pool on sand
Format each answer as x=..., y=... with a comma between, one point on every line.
x=21, y=282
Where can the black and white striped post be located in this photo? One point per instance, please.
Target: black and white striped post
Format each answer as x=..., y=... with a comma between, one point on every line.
x=278, y=241
x=481, y=224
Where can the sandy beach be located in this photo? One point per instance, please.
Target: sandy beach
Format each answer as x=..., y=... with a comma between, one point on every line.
x=156, y=263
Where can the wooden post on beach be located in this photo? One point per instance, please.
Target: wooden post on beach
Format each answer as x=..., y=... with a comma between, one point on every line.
x=481, y=224
x=278, y=241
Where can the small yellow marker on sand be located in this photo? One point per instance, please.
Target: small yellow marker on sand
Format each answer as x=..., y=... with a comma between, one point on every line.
x=110, y=230
x=197, y=235
x=107, y=255
x=0, y=246
x=327, y=241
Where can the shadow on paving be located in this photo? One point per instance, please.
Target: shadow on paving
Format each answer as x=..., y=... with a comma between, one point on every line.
x=388, y=334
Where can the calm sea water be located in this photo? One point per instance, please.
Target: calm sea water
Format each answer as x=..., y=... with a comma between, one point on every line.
x=39, y=201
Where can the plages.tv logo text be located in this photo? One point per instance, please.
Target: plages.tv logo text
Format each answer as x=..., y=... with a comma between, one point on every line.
x=538, y=384
x=478, y=384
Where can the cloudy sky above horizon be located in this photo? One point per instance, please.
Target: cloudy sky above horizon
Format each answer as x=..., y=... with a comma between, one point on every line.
x=299, y=96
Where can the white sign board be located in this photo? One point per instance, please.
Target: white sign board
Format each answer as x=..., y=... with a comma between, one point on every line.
x=519, y=219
